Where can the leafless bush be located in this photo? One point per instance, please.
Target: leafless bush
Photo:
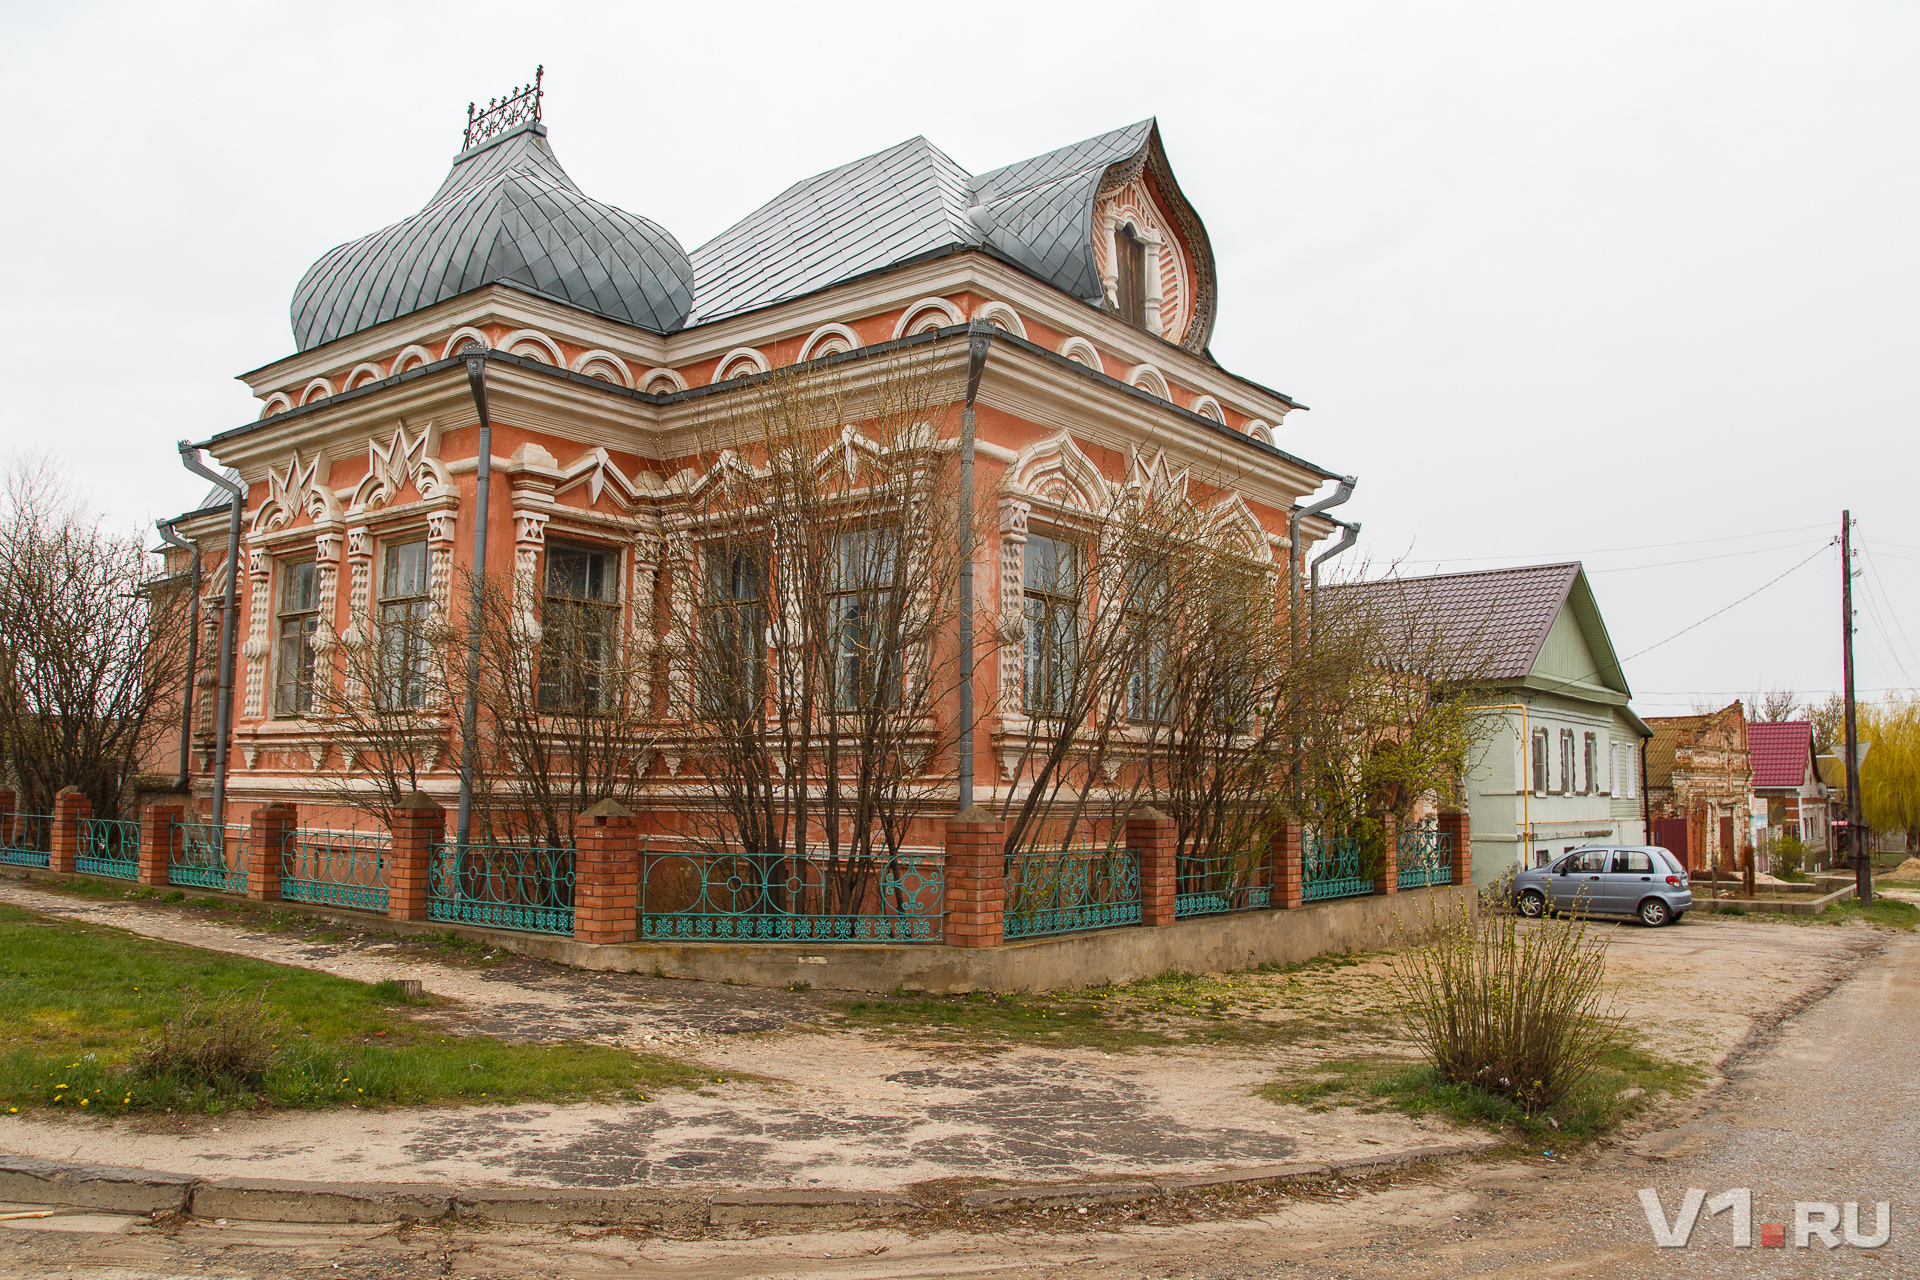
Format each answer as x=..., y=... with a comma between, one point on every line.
x=1510, y=1008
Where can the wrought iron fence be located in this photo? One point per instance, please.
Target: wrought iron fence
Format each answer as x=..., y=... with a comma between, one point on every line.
x=1215, y=886
x=1071, y=890
x=26, y=839
x=336, y=868
x=1332, y=869
x=1424, y=855
x=697, y=894
x=208, y=857
x=108, y=847
x=505, y=886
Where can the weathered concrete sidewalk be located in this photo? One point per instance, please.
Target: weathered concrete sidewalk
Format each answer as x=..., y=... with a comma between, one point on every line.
x=853, y=1110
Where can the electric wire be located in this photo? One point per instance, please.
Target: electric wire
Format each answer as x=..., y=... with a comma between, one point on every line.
x=1724, y=555
x=1886, y=600
x=1641, y=546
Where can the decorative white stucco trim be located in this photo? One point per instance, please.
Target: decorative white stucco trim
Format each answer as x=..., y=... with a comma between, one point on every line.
x=622, y=374
x=650, y=380
x=916, y=312
x=999, y=313
x=1208, y=407
x=729, y=366
x=278, y=402
x=547, y=349
x=410, y=356
x=318, y=389
x=827, y=340
x=460, y=337
x=363, y=374
x=1260, y=431
x=1149, y=379
x=1081, y=351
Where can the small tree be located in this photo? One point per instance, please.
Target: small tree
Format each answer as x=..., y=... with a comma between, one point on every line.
x=813, y=597
x=92, y=650
x=1890, y=773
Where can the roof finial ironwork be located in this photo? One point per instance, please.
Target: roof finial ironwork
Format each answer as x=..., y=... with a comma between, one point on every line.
x=522, y=106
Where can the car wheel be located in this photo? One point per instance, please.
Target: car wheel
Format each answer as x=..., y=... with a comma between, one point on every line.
x=1533, y=904
x=1654, y=912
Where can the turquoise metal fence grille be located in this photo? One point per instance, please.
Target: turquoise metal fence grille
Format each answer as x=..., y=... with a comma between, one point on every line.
x=209, y=857
x=336, y=868
x=502, y=886
x=700, y=894
x=1425, y=855
x=26, y=840
x=1332, y=869
x=1070, y=891
x=108, y=847
x=1215, y=886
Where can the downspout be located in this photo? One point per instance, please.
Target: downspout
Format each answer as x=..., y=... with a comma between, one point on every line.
x=476, y=357
x=1526, y=778
x=1646, y=801
x=173, y=539
x=1349, y=534
x=1294, y=517
x=979, y=343
x=223, y=714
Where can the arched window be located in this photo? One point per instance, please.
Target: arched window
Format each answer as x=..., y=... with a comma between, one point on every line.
x=1130, y=273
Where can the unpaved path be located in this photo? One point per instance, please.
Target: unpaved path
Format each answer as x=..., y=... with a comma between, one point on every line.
x=847, y=1109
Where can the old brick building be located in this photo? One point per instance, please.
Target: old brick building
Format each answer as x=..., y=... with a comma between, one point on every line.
x=1700, y=785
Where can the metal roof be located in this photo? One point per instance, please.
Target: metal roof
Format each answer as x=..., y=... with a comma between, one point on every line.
x=1492, y=622
x=1781, y=751
x=507, y=213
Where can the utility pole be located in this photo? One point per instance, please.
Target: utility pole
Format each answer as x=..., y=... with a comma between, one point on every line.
x=1856, y=834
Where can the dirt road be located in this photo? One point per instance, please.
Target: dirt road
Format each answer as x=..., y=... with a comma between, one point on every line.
x=1823, y=1107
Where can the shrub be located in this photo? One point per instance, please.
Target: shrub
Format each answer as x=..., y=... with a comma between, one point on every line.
x=1511, y=1009
x=225, y=1041
x=1789, y=858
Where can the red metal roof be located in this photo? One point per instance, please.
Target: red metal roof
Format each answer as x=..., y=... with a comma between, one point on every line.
x=1780, y=752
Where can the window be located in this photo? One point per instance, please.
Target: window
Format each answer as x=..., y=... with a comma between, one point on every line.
x=732, y=630
x=1632, y=862
x=1590, y=761
x=580, y=628
x=1052, y=607
x=299, y=618
x=404, y=608
x=1566, y=762
x=1629, y=773
x=1540, y=778
x=1130, y=275
x=861, y=613
x=1589, y=861
x=1149, y=647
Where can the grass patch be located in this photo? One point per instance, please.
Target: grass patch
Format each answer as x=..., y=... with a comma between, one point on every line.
x=1313, y=1000
x=80, y=1004
x=1624, y=1082
x=1890, y=913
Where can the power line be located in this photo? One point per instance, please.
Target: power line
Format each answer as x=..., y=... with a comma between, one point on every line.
x=1621, y=662
x=1642, y=546
x=1724, y=555
x=1880, y=585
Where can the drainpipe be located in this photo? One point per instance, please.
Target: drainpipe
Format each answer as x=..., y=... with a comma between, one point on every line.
x=173, y=539
x=1646, y=801
x=1294, y=517
x=1349, y=534
x=476, y=357
x=979, y=343
x=223, y=714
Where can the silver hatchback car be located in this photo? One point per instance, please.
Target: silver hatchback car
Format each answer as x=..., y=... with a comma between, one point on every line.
x=1614, y=880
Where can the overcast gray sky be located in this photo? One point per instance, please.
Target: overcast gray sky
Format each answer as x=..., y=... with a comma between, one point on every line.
x=1629, y=282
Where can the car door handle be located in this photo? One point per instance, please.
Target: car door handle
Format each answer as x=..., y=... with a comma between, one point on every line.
x=1646, y=879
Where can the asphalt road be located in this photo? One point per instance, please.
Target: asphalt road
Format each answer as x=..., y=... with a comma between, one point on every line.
x=1825, y=1108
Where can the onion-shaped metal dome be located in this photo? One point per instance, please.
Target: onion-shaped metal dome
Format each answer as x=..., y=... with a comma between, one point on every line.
x=507, y=214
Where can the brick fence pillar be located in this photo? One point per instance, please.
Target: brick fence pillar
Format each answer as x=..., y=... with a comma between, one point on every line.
x=1287, y=857
x=1151, y=835
x=976, y=880
x=267, y=834
x=9, y=803
x=159, y=828
x=1455, y=828
x=1386, y=876
x=417, y=825
x=606, y=874
x=70, y=809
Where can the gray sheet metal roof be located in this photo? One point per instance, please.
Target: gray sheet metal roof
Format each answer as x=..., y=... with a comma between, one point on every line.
x=507, y=213
x=912, y=200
